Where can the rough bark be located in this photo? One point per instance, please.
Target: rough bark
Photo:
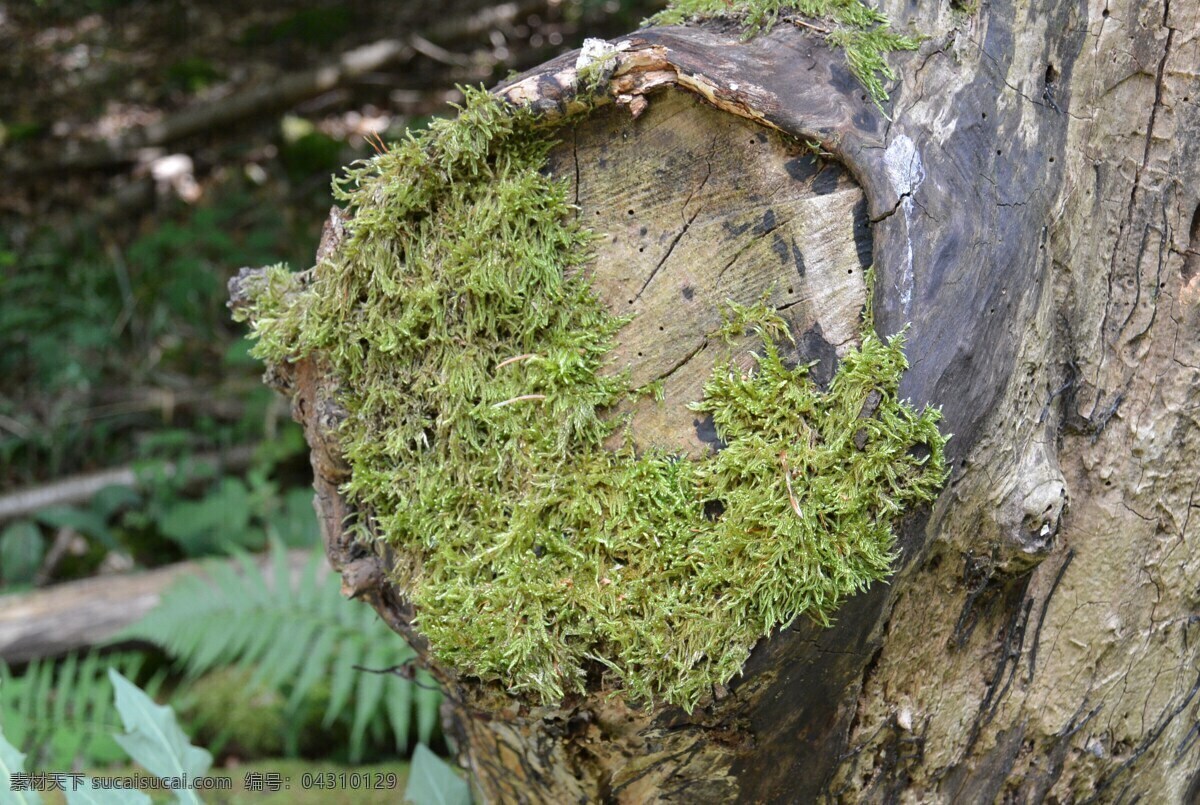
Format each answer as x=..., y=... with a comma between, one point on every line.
x=1034, y=208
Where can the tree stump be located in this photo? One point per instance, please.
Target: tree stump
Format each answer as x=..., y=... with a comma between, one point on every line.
x=1031, y=205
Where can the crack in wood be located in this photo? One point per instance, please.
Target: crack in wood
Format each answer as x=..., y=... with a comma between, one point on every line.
x=670, y=248
x=1037, y=633
x=683, y=361
x=765, y=230
x=1155, y=733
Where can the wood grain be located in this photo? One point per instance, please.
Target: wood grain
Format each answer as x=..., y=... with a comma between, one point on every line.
x=696, y=209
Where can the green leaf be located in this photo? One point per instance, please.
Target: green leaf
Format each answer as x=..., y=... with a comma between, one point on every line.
x=296, y=523
x=21, y=551
x=367, y=696
x=342, y=684
x=429, y=702
x=13, y=762
x=85, y=521
x=431, y=781
x=108, y=500
x=399, y=709
x=297, y=633
x=88, y=794
x=154, y=739
x=214, y=523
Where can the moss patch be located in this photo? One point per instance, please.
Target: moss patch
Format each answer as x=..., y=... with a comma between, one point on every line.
x=471, y=356
x=860, y=31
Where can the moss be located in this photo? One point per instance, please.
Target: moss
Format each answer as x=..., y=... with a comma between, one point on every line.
x=862, y=32
x=228, y=715
x=472, y=357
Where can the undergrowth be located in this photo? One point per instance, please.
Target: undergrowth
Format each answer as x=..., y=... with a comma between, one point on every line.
x=293, y=636
x=863, y=33
x=473, y=360
x=63, y=714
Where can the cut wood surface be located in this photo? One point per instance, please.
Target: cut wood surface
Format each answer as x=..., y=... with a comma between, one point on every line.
x=723, y=210
x=81, y=614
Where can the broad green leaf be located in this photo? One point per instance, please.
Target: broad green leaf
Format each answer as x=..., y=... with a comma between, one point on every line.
x=398, y=701
x=214, y=523
x=342, y=684
x=431, y=781
x=108, y=500
x=21, y=551
x=13, y=762
x=296, y=523
x=154, y=739
x=88, y=794
x=86, y=521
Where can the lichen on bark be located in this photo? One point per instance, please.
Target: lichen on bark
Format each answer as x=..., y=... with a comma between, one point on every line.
x=473, y=361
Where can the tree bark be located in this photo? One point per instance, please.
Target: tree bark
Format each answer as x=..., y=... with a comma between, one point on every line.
x=1032, y=209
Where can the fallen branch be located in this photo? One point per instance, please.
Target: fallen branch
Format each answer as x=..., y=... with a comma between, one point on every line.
x=81, y=614
x=81, y=488
x=287, y=91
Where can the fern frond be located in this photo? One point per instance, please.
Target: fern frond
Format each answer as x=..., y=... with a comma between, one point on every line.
x=295, y=634
x=61, y=716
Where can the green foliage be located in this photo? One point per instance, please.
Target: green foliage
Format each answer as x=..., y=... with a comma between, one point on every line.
x=62, y=715
x=468, y=348
x=296, y=635
x=12, y=761
x=21, y=552
x=218, y=521
x=431, y=781
x=305, y=150
x=314, y=26
x=97, y=318
x=192, y=74
x=154, y=740
x=232, y=514
x=230, y=714
x=89, y=794
x=862, y=32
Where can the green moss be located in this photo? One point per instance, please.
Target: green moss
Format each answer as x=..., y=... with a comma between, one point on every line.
x=472, y=357
x=862, y=32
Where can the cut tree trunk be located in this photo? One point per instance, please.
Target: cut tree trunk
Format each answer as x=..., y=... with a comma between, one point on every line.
x=1031, y=204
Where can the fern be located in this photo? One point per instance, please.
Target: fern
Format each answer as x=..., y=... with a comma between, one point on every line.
x=63, y=716
x=150, y=736
x=295, y=635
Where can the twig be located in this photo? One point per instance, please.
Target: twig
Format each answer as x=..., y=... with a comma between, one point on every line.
x=69, y=491
x=280, y=94
x=63, y=540
x=431, y=51
x=15, y=427
x=787, y=479
x=520, y=399
x=405, y=671
x=801, y=23
x=515, y=358
x=376, y=142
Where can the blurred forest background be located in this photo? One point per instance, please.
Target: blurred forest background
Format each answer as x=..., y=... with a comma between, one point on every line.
x=150, y=148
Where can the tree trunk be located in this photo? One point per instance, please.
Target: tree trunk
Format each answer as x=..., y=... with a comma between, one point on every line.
x=1032, y=209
